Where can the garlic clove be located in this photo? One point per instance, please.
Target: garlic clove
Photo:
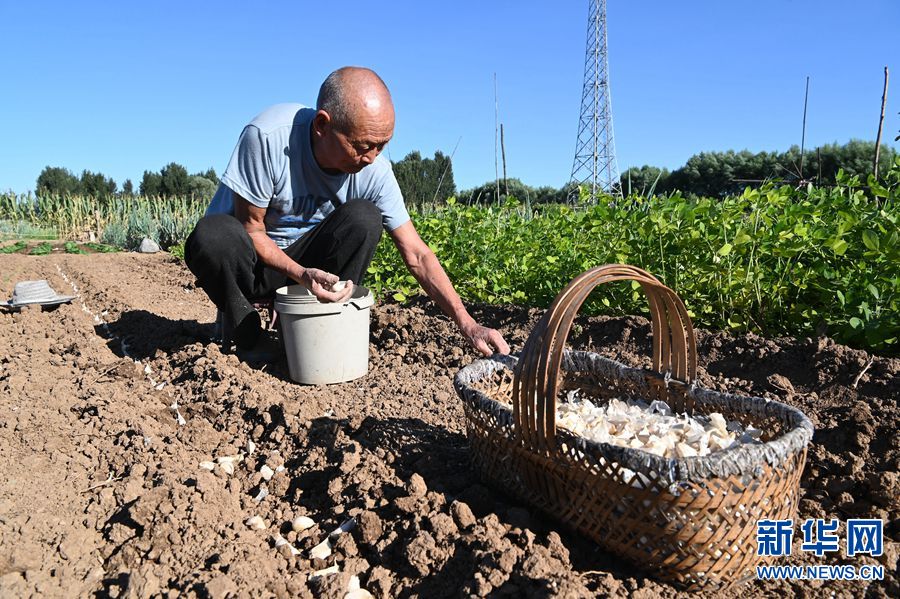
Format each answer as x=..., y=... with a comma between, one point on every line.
x=353, y=585
x=359, y=594
x=208, y=465
x=227, y=468
x=280, y=541
x=325, y=572
x=346, y=526
x=266, y=472
x=301, y=523
x=256, y=523
x=718, y=422
x=685, y=451
x=321, y=551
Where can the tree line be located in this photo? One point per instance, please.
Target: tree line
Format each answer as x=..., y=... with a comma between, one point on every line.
x=718, y=174
x=427, y=180
x=712, y=174
x=172, y=180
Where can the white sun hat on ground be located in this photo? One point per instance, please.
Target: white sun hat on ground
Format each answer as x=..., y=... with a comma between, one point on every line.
x=39, y=292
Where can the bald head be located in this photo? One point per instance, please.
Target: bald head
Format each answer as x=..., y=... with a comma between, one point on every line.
x=352, y=94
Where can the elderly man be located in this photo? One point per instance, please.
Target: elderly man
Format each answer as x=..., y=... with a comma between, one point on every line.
x=305, y=198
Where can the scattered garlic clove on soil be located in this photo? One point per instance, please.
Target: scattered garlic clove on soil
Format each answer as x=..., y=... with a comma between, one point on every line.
x=178, y=417
x=227, y=468
x=355, y=591
x=256, y=523
x=321, y=551
x=208, y=465
x=266, y=472
x=301, y=523
x=281, y=541
x=346, y=526
x=251, y=447
x=325, y=572
x=263, y=493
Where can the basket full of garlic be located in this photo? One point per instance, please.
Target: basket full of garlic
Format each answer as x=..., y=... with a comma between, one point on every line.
x=656, y=469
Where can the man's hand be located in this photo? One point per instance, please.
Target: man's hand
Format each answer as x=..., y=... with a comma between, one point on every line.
x=319, y=282
x=487, y=341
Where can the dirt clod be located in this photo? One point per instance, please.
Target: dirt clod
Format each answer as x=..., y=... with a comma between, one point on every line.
x=101, y=492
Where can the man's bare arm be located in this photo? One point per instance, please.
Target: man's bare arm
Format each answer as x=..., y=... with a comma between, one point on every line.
x=426, y=268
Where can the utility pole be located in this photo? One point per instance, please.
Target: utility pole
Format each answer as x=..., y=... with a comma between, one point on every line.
x=595, y=163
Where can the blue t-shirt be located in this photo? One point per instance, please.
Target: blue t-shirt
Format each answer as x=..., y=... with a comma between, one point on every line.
x=273, y=167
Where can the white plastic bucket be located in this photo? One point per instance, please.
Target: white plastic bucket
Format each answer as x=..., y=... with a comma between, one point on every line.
x=324, y=342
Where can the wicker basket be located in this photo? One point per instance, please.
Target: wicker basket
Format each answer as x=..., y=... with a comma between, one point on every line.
x=690, y=522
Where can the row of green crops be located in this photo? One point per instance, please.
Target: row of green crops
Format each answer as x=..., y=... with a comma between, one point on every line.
x=774, y=260
x=119, y=221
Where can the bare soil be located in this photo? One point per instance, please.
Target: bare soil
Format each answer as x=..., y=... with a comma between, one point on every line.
x=102, y=492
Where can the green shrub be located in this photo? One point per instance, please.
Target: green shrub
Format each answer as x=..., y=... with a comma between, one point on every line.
x=41, y=249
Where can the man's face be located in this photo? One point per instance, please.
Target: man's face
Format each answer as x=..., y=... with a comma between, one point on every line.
x=352, y=150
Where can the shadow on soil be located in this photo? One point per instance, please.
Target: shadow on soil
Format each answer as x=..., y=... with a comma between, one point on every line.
x=144, y=333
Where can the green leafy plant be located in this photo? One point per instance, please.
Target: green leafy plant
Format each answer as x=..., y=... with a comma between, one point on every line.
x=71, y=247
x=177, y=250
x=101, y=248
x=41, y=249
x=774, y=260
x=14, y=248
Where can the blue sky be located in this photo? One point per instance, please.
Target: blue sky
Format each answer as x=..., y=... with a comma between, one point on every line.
x=131, y=86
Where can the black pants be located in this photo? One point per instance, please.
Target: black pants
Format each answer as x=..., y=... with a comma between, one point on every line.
x=220, y=254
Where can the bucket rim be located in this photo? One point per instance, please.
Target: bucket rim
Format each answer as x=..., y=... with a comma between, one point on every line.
x=299, y=295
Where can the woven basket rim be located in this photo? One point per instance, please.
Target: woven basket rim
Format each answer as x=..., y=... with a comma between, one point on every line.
x=745, y=460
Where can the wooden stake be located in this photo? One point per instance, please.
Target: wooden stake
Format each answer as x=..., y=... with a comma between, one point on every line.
x=880, y=123
x=803, y=136
x=819, y=164
x=503, y=154
x=446, y=168
x=496, y=124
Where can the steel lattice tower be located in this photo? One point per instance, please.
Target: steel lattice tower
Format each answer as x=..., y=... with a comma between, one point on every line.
x=595, y=163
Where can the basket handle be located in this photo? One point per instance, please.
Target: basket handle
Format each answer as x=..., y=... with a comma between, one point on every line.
x=536, y=376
